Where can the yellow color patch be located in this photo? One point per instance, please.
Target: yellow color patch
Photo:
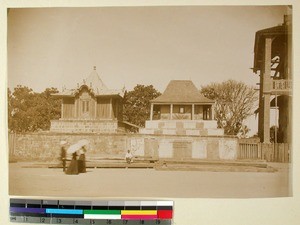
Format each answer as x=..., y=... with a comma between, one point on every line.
x=138, y=212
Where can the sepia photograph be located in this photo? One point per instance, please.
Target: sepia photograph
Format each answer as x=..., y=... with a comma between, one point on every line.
x=150, y=101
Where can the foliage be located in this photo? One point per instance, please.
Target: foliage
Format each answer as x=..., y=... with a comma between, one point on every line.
x=234, y=103
x=137, y=104
x=29, y=111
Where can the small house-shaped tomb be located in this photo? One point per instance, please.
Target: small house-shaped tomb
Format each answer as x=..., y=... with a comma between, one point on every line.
x=91, y=107
x=182, y=110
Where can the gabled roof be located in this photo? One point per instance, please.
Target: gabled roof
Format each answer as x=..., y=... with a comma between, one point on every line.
x=95, y=85
x=182, y=91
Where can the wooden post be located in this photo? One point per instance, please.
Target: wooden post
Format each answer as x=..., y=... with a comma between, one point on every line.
x=151, y=111
x=95, y=108
x=212, y=112
x=62, y=109
x=193, y=111
x=267, y=89
x=110, y=109
x=171, y=111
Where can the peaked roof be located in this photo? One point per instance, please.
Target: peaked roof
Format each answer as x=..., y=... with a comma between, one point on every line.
x=94, y=84
x=182, y=91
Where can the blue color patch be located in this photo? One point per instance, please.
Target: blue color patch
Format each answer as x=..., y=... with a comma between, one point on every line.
x=65, y=211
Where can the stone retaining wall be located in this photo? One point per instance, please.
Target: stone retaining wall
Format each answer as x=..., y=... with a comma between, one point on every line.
x=84, y=126
x=46, y=146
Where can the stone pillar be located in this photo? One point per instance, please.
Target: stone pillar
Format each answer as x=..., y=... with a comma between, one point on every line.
x=193, y=111
x=171, y=111
x=212, y=112
x=151, y=111
x=266, y=87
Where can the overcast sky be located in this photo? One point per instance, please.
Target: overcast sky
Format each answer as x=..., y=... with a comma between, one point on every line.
x=52, y=47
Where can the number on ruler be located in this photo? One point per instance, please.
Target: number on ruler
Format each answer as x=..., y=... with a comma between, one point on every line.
x=26, y=219
x=108, y=221
x=58, y=220
x=42, y=220
x=76, y=221
x=142, y=221
x=157, y=222
x=125, y=221
x=92, y=222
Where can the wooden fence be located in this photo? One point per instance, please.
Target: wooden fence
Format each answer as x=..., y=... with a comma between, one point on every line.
x=273, y=152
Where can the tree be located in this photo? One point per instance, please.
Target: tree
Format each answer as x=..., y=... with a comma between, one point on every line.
x=234, y=103
x=30, y=111
x=137, y=104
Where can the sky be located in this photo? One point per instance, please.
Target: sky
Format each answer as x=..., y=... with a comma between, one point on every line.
x=55, y=47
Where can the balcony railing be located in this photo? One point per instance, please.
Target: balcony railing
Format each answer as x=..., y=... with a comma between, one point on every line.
x=282, y=85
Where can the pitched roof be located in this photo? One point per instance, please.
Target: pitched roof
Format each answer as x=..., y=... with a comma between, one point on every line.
x=94, y=84
x=181, y=91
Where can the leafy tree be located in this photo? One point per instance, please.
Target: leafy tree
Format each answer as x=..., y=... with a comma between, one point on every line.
x=29, y=111
x=137, y=104
x=234, y=103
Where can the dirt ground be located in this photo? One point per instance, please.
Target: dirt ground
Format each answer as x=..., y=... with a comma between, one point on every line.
x=106, y=183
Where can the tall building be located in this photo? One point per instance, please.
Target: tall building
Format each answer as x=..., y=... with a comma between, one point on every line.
x=273, y=63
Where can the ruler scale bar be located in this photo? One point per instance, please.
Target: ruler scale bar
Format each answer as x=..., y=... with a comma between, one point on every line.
x=91, y=212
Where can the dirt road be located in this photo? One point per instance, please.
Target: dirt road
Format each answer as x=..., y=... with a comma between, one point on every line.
x=140, y=183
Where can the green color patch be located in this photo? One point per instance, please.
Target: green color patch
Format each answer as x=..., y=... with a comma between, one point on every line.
x=102, y=212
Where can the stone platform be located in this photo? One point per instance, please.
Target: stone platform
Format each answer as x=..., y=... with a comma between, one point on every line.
x=182, y=127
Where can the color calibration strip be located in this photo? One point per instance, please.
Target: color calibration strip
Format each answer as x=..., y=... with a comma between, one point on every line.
x=91, y=212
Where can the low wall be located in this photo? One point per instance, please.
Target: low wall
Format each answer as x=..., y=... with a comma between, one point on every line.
x=46, y=146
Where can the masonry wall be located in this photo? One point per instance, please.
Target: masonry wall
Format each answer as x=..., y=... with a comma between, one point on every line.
x=46, y=147
x=84, y=126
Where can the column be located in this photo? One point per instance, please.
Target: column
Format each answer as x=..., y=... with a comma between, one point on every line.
x=95, y=108
x=62, y=108
x=151, y=111
x=193, y=111
x=267, y=89
x=171, y=111
x=212, y=112
x=110, y=109
x=117, y=109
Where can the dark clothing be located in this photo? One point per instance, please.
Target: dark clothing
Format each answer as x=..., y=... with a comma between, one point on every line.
x=73, y=167
x=63, y=157
x=81, y=164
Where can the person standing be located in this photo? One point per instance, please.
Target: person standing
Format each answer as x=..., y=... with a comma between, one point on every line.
x=81, y=160
x=73, y=168
x=63, y=154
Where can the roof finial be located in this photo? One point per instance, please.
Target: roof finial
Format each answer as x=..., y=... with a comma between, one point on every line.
x=94, y=67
